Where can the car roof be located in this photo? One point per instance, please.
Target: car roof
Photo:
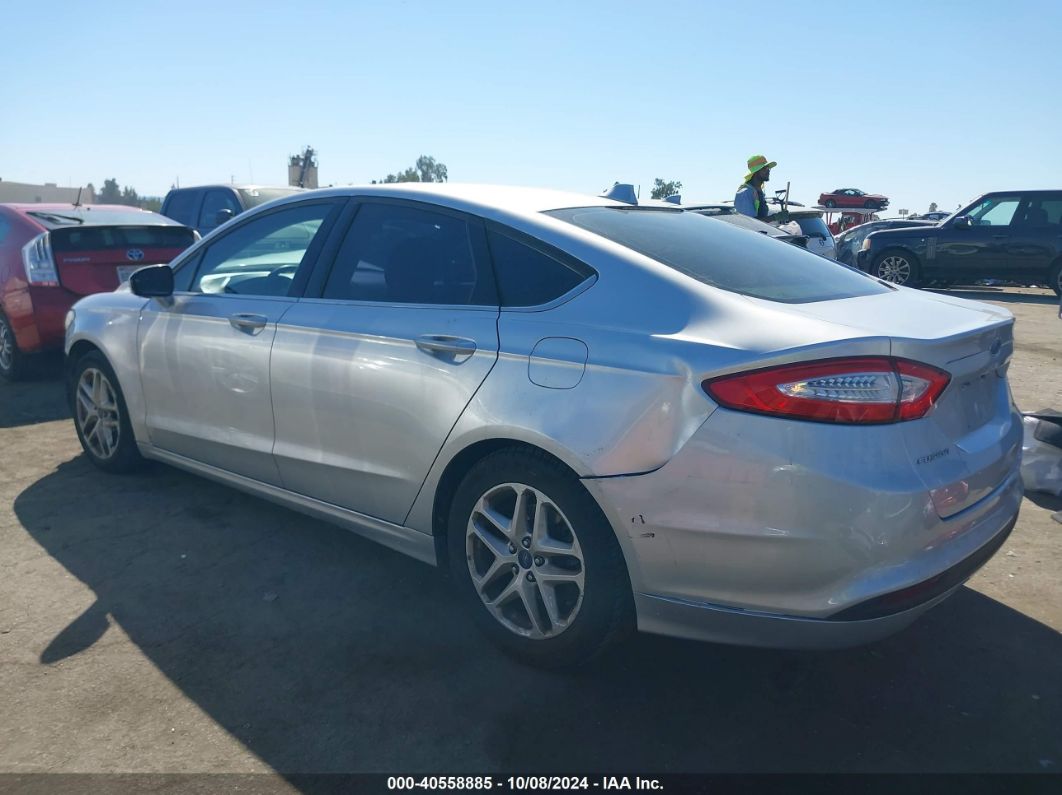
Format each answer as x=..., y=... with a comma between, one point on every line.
x=474, y=197
x=88, y=214
x=231, y=186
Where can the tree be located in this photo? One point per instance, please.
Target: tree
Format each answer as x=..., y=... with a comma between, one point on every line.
x=110, y=193
x=429, y=170
x=130, y=197
x=932, y=207
x=426, y=170
x=661, y=189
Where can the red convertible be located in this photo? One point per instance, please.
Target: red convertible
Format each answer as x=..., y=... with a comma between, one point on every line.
x=853, y=197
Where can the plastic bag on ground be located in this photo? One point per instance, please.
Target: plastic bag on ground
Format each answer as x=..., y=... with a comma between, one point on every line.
x=1041, y=452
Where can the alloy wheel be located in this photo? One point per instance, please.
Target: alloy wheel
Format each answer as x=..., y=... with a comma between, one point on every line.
x=525, y=561
x=895, y=269
x=98, y=413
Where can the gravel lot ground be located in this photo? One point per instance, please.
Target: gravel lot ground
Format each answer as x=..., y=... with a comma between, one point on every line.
x=162, y=623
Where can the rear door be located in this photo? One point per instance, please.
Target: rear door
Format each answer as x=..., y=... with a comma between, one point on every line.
x=371, y=373
x=1035, y=236
x=204, y=354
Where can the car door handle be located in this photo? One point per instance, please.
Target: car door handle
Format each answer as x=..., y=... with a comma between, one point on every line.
x=441, y=344
x=248, y=322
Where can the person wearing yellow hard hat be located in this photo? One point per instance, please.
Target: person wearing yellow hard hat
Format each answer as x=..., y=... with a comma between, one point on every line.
x=750, y=199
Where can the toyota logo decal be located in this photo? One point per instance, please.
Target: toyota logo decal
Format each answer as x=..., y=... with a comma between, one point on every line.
x=134, y=254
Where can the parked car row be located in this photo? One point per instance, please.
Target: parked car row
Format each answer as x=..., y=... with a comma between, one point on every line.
x=599, y=416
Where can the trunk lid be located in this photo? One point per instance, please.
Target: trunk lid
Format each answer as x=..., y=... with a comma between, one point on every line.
x=970, y=441
x=97, y=258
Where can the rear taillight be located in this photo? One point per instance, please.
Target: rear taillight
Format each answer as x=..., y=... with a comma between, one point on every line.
x=864, y=390
x=40, y=266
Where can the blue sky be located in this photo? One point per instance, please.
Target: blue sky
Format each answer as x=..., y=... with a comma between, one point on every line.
x=921, y=101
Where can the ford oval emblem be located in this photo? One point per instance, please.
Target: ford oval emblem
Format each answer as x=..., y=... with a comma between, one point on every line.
x=134, y=255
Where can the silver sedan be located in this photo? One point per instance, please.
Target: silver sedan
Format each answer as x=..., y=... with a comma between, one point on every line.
x=598, y=416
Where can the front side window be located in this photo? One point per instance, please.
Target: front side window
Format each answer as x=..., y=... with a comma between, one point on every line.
x=994, y=211
x=213, y=202
x=722, y=256
x=407, y=255
x=262, y=256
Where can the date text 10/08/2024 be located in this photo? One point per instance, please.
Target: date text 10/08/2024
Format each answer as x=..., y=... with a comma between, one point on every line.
x=523, y=783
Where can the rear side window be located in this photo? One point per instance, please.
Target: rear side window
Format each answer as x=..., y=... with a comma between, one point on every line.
x=723, y=256
x=526, y=276
x=180, y=206
x=407, y=255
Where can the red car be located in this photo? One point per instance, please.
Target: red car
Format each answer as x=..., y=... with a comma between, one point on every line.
x=53, y=254
x=853, y=197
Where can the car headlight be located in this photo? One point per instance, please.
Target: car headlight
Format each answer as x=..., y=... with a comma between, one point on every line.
x=68, y=321
x=866, y=245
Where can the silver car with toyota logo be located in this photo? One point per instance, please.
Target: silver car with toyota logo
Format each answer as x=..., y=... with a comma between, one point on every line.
x=597, y=416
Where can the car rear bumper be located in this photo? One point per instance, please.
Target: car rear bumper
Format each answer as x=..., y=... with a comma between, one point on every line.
x=704, y=621
x=38, y=315
x=752, y=534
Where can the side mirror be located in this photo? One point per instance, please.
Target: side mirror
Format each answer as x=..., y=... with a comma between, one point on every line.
x=962, y=222
x=155, y=281
x=223, y=216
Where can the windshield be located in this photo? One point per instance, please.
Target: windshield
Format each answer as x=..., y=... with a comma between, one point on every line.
x=722, y=256
x=814, y=226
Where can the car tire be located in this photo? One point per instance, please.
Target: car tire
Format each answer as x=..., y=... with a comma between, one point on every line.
x=829, y=203
x=100, y=415
x=897, y=266
x=1054, y=281
x=536, y=561
x=12, y=360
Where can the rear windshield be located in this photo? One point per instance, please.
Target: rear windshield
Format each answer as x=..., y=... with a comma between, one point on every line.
x=252, y=197
x=97, y=238
x=86, y=216
x=814, y=226
x=724, y=256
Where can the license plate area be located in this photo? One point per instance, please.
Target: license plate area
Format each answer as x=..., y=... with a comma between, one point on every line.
x=125, y=271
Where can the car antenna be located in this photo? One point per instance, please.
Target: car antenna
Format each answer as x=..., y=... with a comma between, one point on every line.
x=77, y=201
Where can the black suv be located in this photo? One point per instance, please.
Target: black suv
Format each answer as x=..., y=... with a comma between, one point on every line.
x=206, y=207
x=1013, y=236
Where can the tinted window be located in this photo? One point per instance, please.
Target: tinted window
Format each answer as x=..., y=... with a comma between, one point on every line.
x=214, y=201
x=180, y=206
x=261, y=257
x=406, y=255
x=526, y=276
x=185, y=273
x=1041, y=211
x=723, y=256
x=101, y=238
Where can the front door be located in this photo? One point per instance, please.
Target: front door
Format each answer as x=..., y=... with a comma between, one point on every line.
x=370, y=376
x=204, y=354
x=978, y=251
